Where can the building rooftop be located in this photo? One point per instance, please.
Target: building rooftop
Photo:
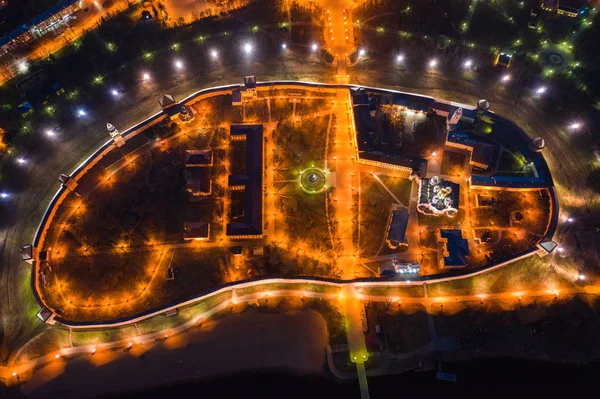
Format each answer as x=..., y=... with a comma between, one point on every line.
x=437, y=195
x=483, y=153
x=573, y=6
x=398, y=224
x=251, y=180
x=193, y=230
x=53, y=11
x=166, y=100
x=457, y=248
x=197, y=179
x=13, y=34
x=198, y=158
x=250, y=82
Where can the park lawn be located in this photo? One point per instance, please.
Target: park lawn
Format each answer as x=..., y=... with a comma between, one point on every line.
x=442, y=221
x=452, y=163
x=50, y=340
x=399, y=186
x=332, y=312
x=300, y=145
x=304, y=218
x=376, y=204
x=290, y=286
x=532, y=273
x=93, y=337
x=564, y=329
x=412, y=291
x=405, y=328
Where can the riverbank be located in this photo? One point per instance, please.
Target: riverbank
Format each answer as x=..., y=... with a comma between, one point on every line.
x=239, y=343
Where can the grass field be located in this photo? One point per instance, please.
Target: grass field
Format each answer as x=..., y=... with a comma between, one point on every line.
x=532, y=273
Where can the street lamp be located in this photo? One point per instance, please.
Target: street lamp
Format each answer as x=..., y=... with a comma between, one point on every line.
x=114, y=92
x=81, y=112
x=3, y=195
x=314, y=47
x=400, y=58
x=178, y=64
x=214, y=53
x=146, y=76
x=541, y=90
x=506, y=78
x=575, y=125
x=284, y=46
x=569, y=220
x=362, y=52
x=247, y=48
x=21, y=161
x=468, y=63
x=50, y=133
x=432, y=63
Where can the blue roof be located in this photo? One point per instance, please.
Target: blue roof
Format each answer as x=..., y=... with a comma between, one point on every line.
x=457, y=247
x=13, y=34
x=53, y=10
x=398, y=224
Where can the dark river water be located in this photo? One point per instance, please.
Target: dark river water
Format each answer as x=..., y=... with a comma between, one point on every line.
x=482, y=379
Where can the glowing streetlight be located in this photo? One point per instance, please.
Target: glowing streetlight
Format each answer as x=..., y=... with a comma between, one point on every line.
x=400, y=58
x=432, y=63
x=506, y=78
x=3, y=195
x=314, y=47
x=569, y=220
x=581, y=277
x=284, y=46
x=541, y=90
x=146, y=76
x=21, y=161
x=50, y=133
x=57, y=356
x=560, y=249
x=214, y=54
x=575, y=125
x=114, y=92
x=468, y=64
x=247, y=48
x=81, y=112
x=433, y=154
x=178, y=64
x=362, y=52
